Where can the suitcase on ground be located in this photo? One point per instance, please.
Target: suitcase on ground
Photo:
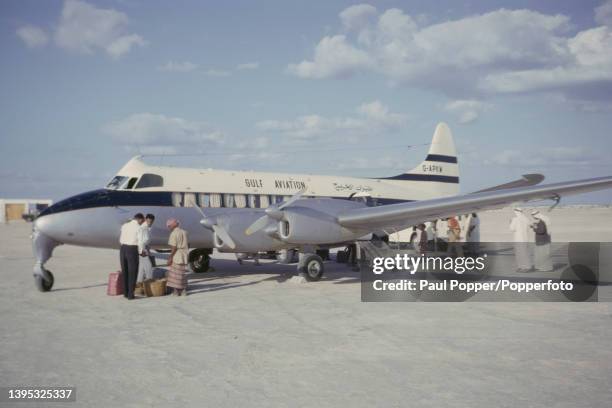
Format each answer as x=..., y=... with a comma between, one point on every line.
x=115, y=284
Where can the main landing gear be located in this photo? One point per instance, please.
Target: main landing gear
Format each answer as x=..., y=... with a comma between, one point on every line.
x=199, y=260
x=310, y=266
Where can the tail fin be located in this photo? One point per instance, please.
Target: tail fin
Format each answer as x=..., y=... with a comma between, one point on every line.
x=440, y=167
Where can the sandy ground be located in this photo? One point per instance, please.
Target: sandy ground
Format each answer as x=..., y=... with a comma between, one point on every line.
x=248, y=336
x=568, y=224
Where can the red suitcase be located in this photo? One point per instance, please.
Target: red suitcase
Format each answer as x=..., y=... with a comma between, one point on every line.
x=115, y=284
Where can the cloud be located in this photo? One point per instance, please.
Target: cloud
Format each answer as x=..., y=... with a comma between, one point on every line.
x=603, y=13
x=217, y=72
x=33, y=36
x=85, y=29
x=334, y=58
x=175, y=66
x=591, y=63
x=561, y=156
x=247, y=65
x=380, y=114
x=354, y=18
x=502, y=51
x=372, y=118
x=467, y=110
x=159, y=134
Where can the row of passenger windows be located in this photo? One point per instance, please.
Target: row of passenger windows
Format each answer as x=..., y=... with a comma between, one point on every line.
x=218, y=200
x=227, y=200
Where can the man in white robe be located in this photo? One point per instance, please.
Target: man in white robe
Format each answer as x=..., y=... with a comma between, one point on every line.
x=521, y=229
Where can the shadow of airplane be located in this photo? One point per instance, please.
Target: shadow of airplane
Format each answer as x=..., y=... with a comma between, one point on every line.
x=224, y=268
x=80, y=287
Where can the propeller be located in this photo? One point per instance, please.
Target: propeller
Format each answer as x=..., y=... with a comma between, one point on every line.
x=274, y=211
x=218, y=229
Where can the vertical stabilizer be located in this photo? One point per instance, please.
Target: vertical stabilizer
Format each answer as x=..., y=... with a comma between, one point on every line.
x=440, y=169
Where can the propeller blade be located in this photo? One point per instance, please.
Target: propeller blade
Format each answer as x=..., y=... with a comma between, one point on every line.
x=225, y=237
x=197, y=207
x=274, y=212
x=293, y=199
x=257, y=225
x=205, y=221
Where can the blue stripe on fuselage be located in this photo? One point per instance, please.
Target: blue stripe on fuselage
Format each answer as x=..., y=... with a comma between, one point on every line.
x=112, y=198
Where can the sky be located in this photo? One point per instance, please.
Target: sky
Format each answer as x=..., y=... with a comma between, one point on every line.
x=328, y=87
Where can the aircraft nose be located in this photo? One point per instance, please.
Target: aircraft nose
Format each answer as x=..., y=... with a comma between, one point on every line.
x=44, y=224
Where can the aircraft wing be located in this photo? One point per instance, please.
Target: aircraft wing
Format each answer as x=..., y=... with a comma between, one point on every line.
x=525, y=181
x=401, y=215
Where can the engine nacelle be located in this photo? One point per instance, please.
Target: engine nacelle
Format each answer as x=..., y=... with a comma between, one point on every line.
x=308, y=226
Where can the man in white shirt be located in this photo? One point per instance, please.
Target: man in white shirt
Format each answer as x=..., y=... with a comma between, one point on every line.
x=145, y=264
x=128, y=254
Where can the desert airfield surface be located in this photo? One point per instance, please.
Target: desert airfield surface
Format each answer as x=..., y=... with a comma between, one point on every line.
x=249, y=336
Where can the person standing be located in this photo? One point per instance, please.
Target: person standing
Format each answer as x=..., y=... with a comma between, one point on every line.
x=422, y=239
x=473, y=233
x=128, y=254
x=441, y=230
x=520, y=226
x=541, y=227
x=179, y=257
x=454, y=237
x=145, y=265
x=430, y=229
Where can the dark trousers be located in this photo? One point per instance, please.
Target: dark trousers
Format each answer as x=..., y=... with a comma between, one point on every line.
x=128, y=255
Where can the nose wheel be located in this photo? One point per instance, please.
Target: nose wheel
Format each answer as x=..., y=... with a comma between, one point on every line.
x=43, y=284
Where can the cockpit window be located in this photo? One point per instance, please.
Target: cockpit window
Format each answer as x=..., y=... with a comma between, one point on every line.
x=150, y=180
x=131, y=183
x=116, y=182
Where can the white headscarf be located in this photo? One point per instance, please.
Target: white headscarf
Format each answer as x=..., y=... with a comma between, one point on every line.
x=539, y=216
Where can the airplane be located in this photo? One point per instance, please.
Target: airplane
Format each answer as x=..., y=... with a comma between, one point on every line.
x=249, y=212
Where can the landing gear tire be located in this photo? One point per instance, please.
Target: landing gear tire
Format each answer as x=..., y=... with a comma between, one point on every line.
x=42, y=284
x=199, y=260
x=312, y=268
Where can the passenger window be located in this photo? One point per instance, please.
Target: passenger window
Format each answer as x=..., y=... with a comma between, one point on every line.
x=205, y=200
x=228, y=200
x=241, y=201
x=177, y=199
x=150, y=180
x=131, y=183
x=264, y=201
x=276, y=199
x=190, y=200
x=254, y=201
x=215, y=200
